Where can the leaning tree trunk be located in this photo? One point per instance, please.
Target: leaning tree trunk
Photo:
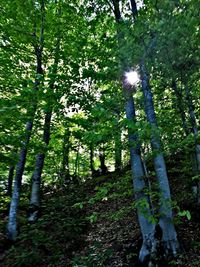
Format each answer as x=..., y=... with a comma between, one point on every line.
x=39, y=164
x=36, y=178
x=144, y=213
x=11, y=174
x=10, y=180
x=169, y=237
x=12, y=219
x=196, y=133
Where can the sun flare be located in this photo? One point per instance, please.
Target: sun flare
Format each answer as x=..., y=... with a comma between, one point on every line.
x=132, y=77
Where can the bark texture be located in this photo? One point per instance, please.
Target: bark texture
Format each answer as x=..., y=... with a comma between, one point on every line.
x=169, y=236
x=40, y=158
x=36, y=179
x=144, y=213
x=12, y=220
x=143, y=208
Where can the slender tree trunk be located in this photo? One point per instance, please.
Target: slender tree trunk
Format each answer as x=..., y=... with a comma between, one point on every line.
x=169, y=237
x=144, y=213
x=10, y=180
x=76, y=163
x=180, y=107
x=11, y=174
x=39, y=164
x=12, y=220
x=92, y=160
x=118, y=145
x=118, y=152
x=102, y=159
x=65, y=160
x=195, y=132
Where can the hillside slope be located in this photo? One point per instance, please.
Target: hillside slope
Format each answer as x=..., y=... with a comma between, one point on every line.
x=95, y=224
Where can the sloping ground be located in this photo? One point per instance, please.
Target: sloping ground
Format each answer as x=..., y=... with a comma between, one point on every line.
x=95, y=224
x=53, y=239
x=114, y=239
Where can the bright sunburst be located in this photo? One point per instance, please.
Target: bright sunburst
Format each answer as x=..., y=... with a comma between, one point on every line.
x=132, y=77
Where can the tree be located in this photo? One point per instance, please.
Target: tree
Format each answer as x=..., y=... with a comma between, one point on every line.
x=36, y=178
x=12, y=224
x=169, y=238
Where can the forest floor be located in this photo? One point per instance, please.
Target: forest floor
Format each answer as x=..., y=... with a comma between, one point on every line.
x=95, y=224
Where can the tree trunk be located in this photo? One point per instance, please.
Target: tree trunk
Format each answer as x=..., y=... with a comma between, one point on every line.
x=39, y=164
x=180, y=106
x=193, y=122
x=65, y=160
x=102, y=159
x=10, y=180
x=144, y=213
x=118, y=153
x=118, y=145
x=36, y=179
x=169, y=237
x=192, y=153
x=92, y=160
x=12, y=220
x=76, y=164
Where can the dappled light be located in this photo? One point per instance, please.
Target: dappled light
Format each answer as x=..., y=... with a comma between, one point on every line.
x=99, y=133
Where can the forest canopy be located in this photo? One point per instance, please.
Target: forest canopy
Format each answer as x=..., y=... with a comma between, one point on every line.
x=99, y=101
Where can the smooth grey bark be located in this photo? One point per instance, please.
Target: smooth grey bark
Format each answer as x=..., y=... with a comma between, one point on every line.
x=40, y=158
x=195, y=130
x=169, y=236
x=144, y=213
x=36, y=178
x=12, y=219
